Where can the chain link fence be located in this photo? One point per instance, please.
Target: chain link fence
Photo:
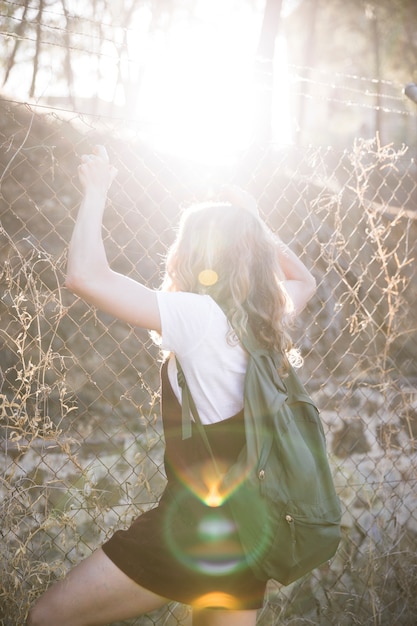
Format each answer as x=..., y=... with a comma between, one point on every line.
x=81, y=437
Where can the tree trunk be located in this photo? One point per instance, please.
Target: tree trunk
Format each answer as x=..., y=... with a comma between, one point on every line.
x=35, y=67
x=264, y=70
x=68, y=72
x=309, y=54
x=19, y=31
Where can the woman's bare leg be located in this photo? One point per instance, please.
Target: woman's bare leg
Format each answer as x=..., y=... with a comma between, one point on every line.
x=94, y=593
x=219, y=617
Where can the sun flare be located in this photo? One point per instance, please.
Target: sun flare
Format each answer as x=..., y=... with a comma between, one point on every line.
x=196, y=94
x=189, y=85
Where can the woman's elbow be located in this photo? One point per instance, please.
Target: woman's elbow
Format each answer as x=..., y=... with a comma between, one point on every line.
x=307, y=291
x=88, y=284
x=76, y=282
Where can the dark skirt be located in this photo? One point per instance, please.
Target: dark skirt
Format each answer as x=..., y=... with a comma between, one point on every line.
x=186, y=549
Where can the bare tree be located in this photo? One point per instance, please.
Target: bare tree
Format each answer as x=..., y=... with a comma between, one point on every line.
x=68, y=70
x=36, y=60
x=264, y=68
x=20, y=29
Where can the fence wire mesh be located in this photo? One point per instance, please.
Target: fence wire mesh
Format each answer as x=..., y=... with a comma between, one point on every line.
x=82, y=448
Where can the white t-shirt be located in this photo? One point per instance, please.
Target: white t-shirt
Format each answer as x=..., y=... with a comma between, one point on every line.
x=195, y=329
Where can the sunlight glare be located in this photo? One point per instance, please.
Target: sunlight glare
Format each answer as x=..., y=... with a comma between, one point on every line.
x=189, y=84
x=196, y=95
x=217, y=599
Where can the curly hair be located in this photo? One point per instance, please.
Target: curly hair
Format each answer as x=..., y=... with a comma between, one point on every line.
x=229, y=253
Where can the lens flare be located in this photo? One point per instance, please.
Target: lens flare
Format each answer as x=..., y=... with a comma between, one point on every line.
x=208, y=484
x=209, y=530
x=203, y=538
x=215, y=527
x=214, y=499
x=208, y=278
x=216, y=599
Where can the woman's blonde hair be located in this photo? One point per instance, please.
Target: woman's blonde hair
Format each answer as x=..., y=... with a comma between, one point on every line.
x=229, y=253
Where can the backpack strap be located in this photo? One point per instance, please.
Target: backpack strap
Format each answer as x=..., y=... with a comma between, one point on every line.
x=188, y=409
x=185, y=404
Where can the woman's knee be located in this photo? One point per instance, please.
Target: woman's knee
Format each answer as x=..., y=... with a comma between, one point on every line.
x=45, y=612
x=48, y=609
x=39, y=615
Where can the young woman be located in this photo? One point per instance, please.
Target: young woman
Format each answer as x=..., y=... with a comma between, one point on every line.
x=225, y=271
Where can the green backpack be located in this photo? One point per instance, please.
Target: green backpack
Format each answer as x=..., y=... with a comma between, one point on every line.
x=286, y=509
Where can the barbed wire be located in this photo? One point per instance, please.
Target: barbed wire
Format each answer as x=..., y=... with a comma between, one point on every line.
x=121, y=118
x=295, y=68
x=71, y=16
x=331, y=85
x=63, y=46
x=61, y=29
x=351, y=103
x=344, y=75
x=354, y=90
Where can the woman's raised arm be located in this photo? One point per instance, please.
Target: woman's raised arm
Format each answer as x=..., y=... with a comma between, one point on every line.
x=88, y=273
